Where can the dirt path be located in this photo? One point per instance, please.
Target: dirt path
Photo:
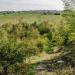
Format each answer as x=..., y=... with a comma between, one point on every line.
x=41, y=57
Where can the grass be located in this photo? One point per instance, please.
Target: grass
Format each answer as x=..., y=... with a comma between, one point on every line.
x=42, y=56
x=14, y=18
x=45, y=57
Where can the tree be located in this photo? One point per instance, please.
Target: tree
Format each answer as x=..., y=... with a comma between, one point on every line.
x=69, y=28
x=69, y=17
x=69, y=4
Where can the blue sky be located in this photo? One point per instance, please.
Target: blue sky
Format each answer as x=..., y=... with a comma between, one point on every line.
x=31, y=5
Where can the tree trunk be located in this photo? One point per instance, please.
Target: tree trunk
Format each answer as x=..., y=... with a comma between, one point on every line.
x=5, y=70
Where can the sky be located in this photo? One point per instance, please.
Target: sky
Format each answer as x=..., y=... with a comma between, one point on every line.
x=6, y=5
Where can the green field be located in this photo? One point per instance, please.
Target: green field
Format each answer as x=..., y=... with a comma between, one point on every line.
x=29, y=18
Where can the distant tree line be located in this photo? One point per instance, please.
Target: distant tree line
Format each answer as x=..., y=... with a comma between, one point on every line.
x=44, y=12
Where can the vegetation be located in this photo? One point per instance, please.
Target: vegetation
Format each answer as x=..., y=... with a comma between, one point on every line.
x=22, y=40
x=33, y=34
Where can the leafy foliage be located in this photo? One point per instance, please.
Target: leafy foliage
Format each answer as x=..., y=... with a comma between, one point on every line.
x=19, y=41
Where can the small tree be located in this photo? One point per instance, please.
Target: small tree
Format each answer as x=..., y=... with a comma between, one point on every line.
x=69, y=4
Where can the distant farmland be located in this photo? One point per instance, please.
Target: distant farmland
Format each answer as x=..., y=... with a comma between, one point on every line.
x=29, y=18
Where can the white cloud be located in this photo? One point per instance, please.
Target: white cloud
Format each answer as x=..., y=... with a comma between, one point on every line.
x=31, y=5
